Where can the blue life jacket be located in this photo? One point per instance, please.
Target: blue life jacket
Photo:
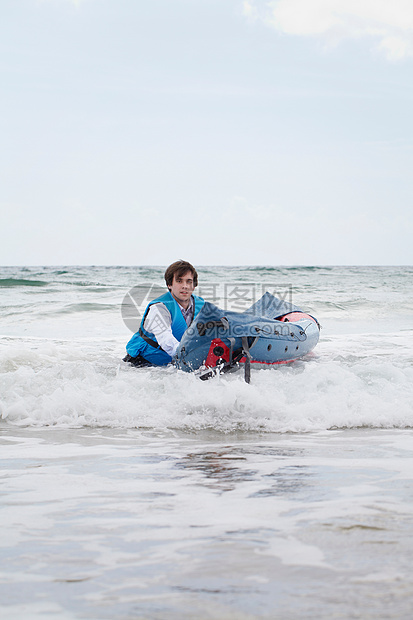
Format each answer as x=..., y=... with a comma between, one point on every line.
x=144, y=342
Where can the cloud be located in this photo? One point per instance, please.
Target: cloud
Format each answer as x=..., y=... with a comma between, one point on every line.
x=389, y=24
x=249, y=9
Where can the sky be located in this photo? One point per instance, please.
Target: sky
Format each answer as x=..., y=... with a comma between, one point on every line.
x=230, y=132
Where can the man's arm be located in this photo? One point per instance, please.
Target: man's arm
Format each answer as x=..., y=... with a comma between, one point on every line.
x=158, y=321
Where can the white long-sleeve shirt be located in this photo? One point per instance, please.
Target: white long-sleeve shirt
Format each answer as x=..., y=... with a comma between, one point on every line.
x=159, y=321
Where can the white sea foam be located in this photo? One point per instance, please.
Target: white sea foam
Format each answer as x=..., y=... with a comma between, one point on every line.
x=348, y=382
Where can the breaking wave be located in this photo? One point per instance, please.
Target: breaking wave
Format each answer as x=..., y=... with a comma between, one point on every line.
x=65, y=385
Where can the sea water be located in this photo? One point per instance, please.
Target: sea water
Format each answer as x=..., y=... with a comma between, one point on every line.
x=147, y=493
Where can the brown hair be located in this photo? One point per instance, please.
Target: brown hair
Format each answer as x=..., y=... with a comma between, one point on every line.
x=179, y=268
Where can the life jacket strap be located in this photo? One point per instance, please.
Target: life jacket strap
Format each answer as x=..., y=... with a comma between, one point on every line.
x=148, y=340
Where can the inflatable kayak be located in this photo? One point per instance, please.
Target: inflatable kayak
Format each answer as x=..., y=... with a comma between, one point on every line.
x=271, y=331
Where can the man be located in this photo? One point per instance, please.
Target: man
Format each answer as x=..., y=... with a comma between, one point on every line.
x=166, y=318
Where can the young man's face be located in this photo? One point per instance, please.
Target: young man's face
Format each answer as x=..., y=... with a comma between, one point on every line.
x=182, y=288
